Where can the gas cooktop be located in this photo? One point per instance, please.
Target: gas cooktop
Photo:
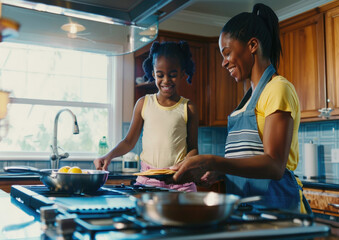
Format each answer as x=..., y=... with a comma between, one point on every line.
x=110, y=214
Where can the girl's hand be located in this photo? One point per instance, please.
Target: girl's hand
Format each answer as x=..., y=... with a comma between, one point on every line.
x=102, y=163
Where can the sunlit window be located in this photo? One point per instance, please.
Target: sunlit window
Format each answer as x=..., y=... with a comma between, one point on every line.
x=44, y=80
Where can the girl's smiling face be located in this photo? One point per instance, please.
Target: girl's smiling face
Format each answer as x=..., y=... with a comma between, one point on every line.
x=168, y=75
x=237, y=57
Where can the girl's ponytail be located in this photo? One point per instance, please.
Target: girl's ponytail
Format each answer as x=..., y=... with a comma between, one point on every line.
x=148, y=62
x=188, y=63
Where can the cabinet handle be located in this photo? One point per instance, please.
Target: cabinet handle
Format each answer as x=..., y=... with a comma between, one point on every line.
x=325, y=113
x=334, y=205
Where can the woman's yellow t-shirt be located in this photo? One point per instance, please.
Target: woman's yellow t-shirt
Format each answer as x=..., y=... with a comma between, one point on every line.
x=279, y=94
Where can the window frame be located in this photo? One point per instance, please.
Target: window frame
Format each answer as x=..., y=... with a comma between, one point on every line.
x=114, y=106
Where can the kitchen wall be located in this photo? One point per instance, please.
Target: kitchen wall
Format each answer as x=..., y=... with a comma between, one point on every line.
x=211, y=140
x=182, y=24
x=325, y=134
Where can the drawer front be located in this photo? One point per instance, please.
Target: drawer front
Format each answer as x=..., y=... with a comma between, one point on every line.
x=323, y=201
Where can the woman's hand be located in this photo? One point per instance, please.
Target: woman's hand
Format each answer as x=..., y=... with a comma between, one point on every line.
x=102, y=163
x=210, y=177
x=192, y=169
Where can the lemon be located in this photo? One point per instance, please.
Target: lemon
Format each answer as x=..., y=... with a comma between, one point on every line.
x=75, y=170
x=64, y=169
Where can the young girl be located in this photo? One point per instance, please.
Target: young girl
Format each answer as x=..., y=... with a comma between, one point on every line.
x=169, y=121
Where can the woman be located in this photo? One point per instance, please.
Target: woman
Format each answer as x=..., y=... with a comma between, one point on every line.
x=261, y=148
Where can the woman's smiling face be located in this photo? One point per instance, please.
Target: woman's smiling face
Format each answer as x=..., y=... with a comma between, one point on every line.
x=237, y=57
x=168, y=75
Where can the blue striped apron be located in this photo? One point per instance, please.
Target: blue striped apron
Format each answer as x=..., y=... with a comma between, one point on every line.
x=243, y=141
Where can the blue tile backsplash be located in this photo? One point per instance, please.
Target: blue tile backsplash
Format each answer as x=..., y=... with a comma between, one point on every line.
x=212, y=139
x=325, y=134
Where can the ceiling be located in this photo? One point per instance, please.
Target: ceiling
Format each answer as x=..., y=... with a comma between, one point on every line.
x=197, y=17
x=130, y=9
x=129, y=12
x=207, y=17
x=219, y=11
x=229, y=8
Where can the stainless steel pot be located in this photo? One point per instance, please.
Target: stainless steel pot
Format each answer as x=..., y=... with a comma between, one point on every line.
x=66, y=182
x=191, y=208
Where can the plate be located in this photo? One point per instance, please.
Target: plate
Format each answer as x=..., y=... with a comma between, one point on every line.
x=160, y=177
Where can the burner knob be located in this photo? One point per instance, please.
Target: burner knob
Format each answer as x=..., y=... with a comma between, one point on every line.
x=65, y=226
x=47, y=216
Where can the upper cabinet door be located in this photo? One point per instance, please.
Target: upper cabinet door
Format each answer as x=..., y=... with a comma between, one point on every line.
x=224, y=92
x=196, y=91
x=303, y=61
x=332, y=57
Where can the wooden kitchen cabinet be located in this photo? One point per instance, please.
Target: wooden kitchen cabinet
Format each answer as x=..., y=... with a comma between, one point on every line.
x=6, y=185
x=118, y=181
x=332, y=57
x=218, y=187
x=323, y=201
x=224, y=93
x=310, y=59
x=303, y=61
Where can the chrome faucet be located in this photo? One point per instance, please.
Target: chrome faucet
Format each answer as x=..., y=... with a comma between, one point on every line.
x=55, y=156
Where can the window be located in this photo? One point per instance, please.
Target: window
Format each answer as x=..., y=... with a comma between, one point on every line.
x=44, y=80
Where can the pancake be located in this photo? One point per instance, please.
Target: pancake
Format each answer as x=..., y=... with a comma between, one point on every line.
x=151, y=172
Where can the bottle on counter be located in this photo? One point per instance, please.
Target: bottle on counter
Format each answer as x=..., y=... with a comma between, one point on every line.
x=103, y=146
x=130, y=162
